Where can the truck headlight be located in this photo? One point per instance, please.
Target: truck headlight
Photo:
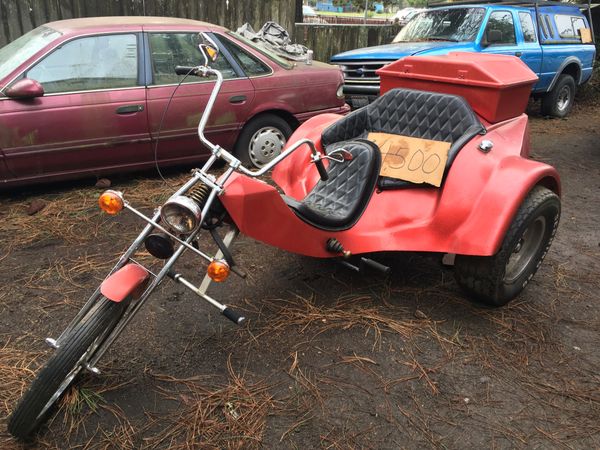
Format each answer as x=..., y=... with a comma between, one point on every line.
x=182, y=214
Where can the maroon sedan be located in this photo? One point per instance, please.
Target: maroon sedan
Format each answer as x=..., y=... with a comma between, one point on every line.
x=88, y=97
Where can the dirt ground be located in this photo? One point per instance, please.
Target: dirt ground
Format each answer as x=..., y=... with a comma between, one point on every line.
x=328, y=359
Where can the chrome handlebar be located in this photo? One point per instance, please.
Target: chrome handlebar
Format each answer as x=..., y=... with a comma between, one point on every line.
x=219, y=152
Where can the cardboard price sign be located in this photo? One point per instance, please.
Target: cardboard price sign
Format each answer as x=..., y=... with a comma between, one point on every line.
x=411, y=159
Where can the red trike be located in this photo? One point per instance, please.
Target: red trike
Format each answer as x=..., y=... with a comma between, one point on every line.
x=494, y=211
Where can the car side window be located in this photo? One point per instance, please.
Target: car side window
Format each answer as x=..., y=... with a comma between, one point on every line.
x=500, y=29
x=527, y=27
x=549, y=26
x=89, y=63
x=568, y=26
x=168, y=50
x=250, y=64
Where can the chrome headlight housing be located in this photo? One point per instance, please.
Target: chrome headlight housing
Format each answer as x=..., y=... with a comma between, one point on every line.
x=182, y=214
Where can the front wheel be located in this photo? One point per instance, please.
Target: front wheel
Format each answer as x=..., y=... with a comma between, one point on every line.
x=496, y=280
x=62, y=368
x=262, y=139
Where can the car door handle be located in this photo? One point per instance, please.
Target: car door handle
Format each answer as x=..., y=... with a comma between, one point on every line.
x=237, y=99
x=518, y=54
x=129, y=109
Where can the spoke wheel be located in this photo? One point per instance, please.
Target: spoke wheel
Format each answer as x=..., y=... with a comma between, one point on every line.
x=63, y=367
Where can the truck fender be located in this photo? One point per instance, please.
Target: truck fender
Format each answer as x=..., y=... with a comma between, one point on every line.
x=494, y=210
x=128, y=280
x=559, y=71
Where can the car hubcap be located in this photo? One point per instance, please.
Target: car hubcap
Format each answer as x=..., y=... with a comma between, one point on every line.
x=265, y=145
x=526, y=250
x=564, y=98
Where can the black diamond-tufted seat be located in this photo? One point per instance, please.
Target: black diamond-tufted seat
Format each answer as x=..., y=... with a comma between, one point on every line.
x=337, y=203
x=406, y=112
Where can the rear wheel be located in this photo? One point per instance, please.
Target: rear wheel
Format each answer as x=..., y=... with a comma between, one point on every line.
x=496, y=280
x=559, y=101
x=62, y=368
x=262, y=139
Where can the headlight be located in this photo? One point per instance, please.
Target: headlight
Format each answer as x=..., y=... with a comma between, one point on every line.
x=340, y=91
x=182, y=214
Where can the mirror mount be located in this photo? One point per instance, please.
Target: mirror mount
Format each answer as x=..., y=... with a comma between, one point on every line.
x=24, y=89
x=208, y=48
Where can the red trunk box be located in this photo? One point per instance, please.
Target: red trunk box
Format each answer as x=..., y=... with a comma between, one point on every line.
x=496, y=86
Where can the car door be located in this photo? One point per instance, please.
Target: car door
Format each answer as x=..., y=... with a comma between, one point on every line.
x=91, y=116
x=531, y=52
x=174, y=109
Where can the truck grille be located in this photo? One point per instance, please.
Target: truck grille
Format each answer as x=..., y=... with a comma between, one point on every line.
x=362, y=72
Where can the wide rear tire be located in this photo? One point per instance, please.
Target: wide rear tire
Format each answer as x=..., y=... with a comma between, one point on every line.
x=62, y=368
x=496, y=280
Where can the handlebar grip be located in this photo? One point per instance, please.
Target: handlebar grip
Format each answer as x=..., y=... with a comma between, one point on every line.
x=322, y=170
x=185, y=70
x=235, y=317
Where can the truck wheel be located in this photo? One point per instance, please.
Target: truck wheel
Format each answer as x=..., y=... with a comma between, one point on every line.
x=496, y=280
x=262, y=139
x=559, y=101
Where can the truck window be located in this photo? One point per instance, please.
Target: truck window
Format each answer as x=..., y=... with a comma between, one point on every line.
x=501, y=24
x=443, y=24
x=568, y=26
x=527, y=27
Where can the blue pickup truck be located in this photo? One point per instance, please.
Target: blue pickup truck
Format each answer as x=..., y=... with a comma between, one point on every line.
x=555, y=40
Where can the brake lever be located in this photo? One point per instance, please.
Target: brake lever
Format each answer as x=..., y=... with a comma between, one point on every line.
x=339, y=155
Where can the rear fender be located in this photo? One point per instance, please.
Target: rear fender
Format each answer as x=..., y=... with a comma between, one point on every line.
x=127, y=281
x=494, y=210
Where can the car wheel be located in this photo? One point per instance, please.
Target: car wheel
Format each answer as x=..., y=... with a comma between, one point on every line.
x=496, y=280
x=559, y=101
x=262, y=139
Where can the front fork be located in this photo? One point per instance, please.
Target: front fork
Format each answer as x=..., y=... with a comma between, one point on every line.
x=105, y=341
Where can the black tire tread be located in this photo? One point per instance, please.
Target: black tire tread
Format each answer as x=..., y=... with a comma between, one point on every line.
x=549, y=99
x=23, y=422
x=481, y=276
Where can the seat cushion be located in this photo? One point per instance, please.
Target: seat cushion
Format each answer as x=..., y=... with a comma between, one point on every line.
x=339, y=202
x=406, y=112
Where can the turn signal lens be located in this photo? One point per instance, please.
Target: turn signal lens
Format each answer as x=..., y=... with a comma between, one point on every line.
x=218, y=270
x=111, y=202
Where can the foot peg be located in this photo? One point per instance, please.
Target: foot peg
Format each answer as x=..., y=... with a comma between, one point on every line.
x=51, y=343
x=367, y=263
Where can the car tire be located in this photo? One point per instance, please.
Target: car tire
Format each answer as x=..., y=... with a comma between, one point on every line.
x=496, y=280
x=262, y=139
x=559, y=101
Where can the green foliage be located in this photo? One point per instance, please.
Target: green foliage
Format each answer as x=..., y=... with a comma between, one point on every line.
x=417, y=3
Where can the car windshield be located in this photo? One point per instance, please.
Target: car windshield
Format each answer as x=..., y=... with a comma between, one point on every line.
x=272, y=56
x=453, y=24
x=20, y=50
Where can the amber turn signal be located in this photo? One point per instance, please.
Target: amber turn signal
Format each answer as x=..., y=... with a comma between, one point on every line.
x=218, y=270
x=111, y=202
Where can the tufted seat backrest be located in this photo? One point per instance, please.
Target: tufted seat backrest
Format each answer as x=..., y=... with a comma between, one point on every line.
x=406, y=112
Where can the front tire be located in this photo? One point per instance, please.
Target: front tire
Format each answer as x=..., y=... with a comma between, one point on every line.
x=496, y=280
x=62, y=368
x=559, y=101
x=262, y=139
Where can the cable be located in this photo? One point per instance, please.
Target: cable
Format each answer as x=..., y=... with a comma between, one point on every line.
x=160, y=125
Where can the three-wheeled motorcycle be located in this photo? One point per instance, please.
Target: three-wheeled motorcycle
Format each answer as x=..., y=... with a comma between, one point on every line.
x=341, y=195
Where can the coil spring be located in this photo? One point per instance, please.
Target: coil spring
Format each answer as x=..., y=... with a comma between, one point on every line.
x=199, y=194
x=334, y=246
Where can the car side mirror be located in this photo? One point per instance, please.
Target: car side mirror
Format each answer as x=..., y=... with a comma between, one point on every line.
x=493, y=36
x=208, y=48
x=24, y=89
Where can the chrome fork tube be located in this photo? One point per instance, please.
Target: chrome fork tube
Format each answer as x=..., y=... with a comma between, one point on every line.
x=137, y=304
x=122, y=261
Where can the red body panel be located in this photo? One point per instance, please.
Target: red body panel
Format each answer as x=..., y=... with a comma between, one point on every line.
x=468, y=215
x=123, y=282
